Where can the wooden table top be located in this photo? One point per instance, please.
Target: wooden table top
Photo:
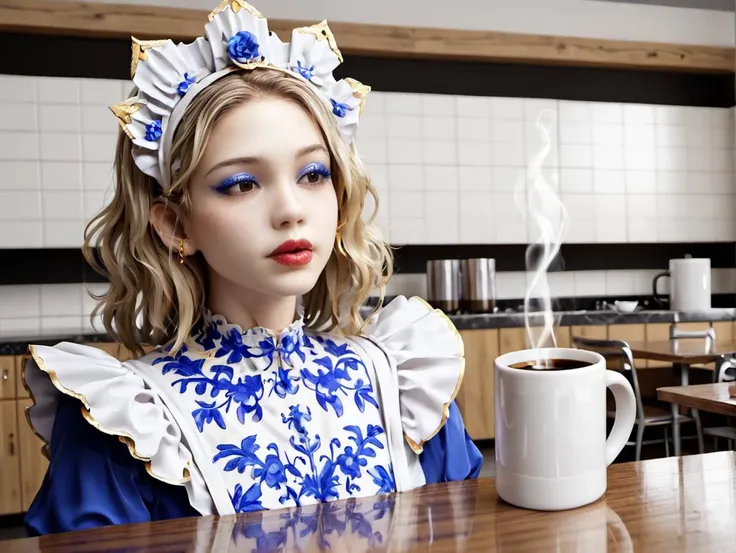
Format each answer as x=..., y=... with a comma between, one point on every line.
x=714, y=398
x=669, y=505
x=687, y=351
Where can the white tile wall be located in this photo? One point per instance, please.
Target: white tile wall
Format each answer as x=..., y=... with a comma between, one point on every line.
x=60, y=309
x=446, y=167
x=57, y=143
x=48, y=310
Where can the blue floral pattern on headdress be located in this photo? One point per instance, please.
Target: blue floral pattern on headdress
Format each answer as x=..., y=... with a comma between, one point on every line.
x=305, y=71
x=243, y=47
x=154, y=131
x=186, y=84
x=236, y=36
x=339, y=108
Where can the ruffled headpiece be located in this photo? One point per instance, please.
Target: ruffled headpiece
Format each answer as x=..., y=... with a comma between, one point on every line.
x=168, y=77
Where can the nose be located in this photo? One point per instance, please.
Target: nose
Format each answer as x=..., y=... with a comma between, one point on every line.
x=287, y=209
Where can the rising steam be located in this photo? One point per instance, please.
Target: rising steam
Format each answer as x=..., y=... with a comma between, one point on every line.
x=539, y=203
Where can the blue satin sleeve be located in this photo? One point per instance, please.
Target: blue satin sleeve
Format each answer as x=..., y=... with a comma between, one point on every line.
x=93, y=481
x=451, y=455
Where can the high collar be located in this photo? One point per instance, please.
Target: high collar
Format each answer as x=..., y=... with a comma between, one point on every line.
x=215, y=333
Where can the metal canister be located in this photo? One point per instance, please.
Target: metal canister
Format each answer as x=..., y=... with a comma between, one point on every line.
x=443, y=284
x=478, y=293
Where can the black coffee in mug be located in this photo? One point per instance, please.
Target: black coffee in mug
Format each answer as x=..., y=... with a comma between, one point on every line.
x=551, y=365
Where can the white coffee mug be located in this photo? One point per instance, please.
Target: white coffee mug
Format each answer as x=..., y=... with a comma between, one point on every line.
x=551, y=447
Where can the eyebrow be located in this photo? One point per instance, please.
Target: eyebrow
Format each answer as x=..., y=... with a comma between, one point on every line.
x=252, y=160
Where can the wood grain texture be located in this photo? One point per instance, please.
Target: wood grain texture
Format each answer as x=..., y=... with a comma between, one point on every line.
x=476, y=397
x=670, y=505
x=8, y=377
x=33, y=463
x=713, y=398
x=121, y=21
x=21, y=391
x=689, y=352
x=656, y=332
x=10, y=494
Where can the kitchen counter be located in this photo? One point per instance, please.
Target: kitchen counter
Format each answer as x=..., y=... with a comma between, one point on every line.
x=19, y=345
x=670, y=505
x=585, y=318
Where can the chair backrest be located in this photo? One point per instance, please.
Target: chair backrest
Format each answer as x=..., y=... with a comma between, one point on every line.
x=708, y=334
x=725, y=369
x=621, y=352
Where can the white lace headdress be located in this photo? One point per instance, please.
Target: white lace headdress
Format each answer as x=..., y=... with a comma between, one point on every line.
x=168, y=77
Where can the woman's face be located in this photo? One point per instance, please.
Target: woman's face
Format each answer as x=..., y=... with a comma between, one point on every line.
x=264, y=209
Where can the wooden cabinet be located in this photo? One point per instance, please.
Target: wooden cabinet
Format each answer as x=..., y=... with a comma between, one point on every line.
x=34, y=465
x=22, y=463
x=8, y=377
x=512, y=339
x=475, y=399
x=10, y=493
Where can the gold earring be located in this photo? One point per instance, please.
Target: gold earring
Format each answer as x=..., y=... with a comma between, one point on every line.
x=181, y=252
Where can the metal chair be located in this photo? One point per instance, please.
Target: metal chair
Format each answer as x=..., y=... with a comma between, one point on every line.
x=646, y=415
x=725, y=372
x=709, y=335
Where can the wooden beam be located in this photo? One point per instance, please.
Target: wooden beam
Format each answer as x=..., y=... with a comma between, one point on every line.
x=148, y=22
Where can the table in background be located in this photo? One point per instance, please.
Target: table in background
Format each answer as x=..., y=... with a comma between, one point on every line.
x=669, y=505
x=681, y=351
x=714, y=398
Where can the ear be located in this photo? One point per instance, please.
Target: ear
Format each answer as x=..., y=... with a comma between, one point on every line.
x=168, y=221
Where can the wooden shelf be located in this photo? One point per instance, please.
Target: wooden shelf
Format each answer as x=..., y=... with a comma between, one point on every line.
x=147, y=22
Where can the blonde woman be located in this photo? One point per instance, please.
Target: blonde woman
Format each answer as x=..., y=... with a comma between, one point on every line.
x=236, y=244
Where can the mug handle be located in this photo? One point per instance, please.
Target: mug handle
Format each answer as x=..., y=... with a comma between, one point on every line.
x=623, y=424
x=657, y=296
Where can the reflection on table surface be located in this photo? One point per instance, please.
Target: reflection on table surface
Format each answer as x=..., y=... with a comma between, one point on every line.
x=666, y=505
x=681, y=350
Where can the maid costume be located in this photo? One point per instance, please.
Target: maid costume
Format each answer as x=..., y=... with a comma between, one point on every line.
x=244, y=420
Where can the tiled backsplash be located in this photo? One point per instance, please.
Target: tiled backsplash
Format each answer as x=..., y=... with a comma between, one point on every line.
x=57, y=144
x=56, y=309
x=445, y=166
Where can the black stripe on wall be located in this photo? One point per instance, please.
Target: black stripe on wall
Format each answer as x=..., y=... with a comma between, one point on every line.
x=66, y=266
x=60, y=56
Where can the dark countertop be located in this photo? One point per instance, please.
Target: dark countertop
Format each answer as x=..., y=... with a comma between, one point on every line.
x=19, y=346
x=588, y=318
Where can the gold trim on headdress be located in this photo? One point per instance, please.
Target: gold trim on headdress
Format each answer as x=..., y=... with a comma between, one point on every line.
x=124, y=112
x=360, y=91
x=322, y=31
x=140, y=51
x=236, y=6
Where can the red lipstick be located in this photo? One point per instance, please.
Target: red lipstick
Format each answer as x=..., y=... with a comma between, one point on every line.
x=293, y=253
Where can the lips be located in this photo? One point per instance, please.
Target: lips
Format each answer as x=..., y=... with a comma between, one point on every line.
x=293, y=253
x=292, y=246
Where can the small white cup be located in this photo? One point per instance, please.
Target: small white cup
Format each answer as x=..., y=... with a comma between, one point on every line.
x=551, y=447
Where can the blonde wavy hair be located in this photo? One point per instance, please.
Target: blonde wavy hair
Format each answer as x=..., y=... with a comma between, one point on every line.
x=153, y=299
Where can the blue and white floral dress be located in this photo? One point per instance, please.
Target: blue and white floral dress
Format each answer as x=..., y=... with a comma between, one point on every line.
x=247, y=420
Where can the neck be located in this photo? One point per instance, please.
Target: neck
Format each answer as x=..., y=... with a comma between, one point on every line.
x=249, y=309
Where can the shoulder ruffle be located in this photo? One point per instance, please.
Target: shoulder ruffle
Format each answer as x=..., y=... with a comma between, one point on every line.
x=429, y=356
x=115, y=400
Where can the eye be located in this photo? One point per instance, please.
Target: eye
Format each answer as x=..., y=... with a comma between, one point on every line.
x=237, y=184
x=314, y=173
